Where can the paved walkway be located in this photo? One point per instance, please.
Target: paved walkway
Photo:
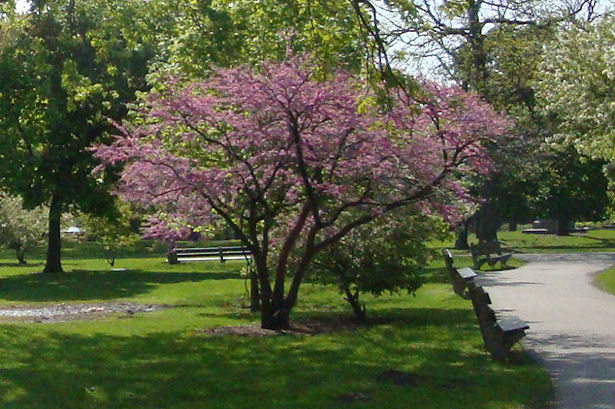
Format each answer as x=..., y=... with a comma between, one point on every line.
x=572, y=323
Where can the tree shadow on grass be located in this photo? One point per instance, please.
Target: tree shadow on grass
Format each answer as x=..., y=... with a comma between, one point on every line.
x=16, y=264
x=168, y=370
x=83, y=285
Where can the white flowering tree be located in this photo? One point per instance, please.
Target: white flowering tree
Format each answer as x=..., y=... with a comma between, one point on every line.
x=577, y=87
x=21, y=229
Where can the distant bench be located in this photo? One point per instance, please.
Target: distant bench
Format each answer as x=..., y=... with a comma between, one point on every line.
x=221, y=254
x=499, y=335
x=460, y=277
x=490, y=253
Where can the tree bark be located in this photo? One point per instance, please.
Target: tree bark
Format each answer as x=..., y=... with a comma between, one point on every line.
x=478, y=60
x=274, y=315
x=461, y=241
x=563, y=226
x=20, y=253
x=54, y=243
x=255, y=304
x=357, y=308
x=486, y=224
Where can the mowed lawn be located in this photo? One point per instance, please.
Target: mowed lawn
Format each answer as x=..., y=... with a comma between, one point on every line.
x=416, y=352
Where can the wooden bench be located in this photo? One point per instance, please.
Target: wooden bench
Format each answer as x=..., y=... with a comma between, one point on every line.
x=460, y=277
x=499, y=335
x=490, y=253
x=221, y=254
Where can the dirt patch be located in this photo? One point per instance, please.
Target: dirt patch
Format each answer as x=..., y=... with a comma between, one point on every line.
x=72, y=312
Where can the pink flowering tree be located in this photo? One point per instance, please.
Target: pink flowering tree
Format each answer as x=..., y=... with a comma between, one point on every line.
x=293, y=164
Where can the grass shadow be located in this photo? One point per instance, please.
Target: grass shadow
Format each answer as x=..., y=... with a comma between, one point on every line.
x=26, y=265
x=83, y=285
x=168, y=370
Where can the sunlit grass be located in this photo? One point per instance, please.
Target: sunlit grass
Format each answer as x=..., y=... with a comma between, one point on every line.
x=606, y=280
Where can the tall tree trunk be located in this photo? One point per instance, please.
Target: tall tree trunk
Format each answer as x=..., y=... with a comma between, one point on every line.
x=486, y=224
x=461, y=232
x=54, y=243
x=563, y=226
x=478, y=59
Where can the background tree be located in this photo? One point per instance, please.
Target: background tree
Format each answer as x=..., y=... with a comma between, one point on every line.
x=573, y=188
x=479, y=44
x=577, y=87
x=114, y=232
x=21, y=229
x=68, y=68
x=295, y=164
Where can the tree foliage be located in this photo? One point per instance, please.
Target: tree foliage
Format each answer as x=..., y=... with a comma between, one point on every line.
x=384, y=256
x=574, y=188
x=577, y=87
x=21, y=229
x=114, y=232
x=66, y=68
x=296, y=164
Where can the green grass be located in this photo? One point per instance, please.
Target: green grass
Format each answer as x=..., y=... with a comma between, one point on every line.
x=166, y=360
x=606, y=280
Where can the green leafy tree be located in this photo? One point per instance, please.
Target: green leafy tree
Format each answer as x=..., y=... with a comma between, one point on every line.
x=224, y=33
x=20, y=229
x=114, y=233
x=386, y=257
x=66, y=69
x=574, y=188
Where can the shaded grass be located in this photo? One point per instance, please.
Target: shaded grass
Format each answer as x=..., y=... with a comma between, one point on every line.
x=164, y=360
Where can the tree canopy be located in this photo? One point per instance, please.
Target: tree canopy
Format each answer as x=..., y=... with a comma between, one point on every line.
x=577, y=87
x=67, y=67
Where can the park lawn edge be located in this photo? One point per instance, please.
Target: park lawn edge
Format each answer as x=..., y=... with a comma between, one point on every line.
x=606, y=280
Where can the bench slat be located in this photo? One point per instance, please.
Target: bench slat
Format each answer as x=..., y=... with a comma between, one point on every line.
x=466, y=272
x=509, y=324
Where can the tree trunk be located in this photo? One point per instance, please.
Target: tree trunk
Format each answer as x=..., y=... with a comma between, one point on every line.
x=255, y=304
x=512, y=225
x=461, y=231
x=54, y=243
x=563, y=226
x=486, y=224
x=275, y=316
x=478, y=59
x=357, y=308
x=20, y=253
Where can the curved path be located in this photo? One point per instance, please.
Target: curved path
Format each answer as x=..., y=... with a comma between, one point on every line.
x=572, y=323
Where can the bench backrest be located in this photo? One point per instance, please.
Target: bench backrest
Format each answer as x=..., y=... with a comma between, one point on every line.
x=448, y=259
x=480, y=301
